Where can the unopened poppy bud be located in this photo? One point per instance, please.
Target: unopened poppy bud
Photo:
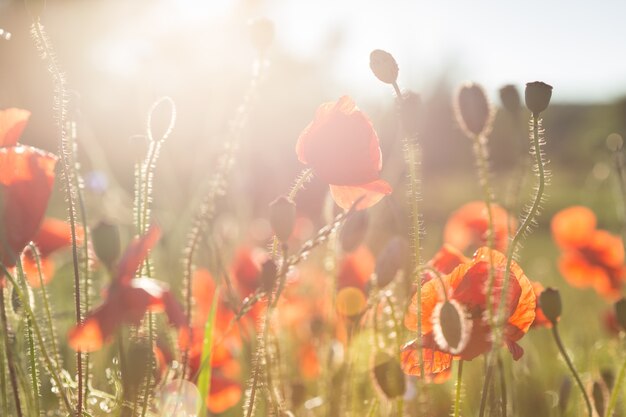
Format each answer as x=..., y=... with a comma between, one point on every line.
x=384, y=66
x=510, y=98
x=597, y=393
x=393, y=258
x=262, y=33
x=538, y=96
x=354, y=230
x=608, y=376
x=451, y=327
x=472, y=109
x=550, y=303
x=564, y=394
x=106, y=242
x=268, y=275
x=388, y=375
x=282, y=217
x=620, y=312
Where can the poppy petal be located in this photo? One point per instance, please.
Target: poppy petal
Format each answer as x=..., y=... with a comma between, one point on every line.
x=370, y=194
x=12, y=123
x=573, y=226
x=97, y=328
x=135, y=254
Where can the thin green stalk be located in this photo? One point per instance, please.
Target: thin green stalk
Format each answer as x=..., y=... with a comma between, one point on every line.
x=503, y=395
x=10, y=359
x=3, y=364
x=373, y=408
x=66, y=150
x=617, y=388
x=412, y=159
x=570, y=365
x=459, y=384
x=149, y=371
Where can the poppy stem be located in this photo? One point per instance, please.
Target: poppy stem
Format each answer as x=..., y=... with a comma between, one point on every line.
x=486, y=385
x=459, y=385
x=503, y=396
x=43, y=44
x=570, y=365
x=11, y=363
x=617, y=388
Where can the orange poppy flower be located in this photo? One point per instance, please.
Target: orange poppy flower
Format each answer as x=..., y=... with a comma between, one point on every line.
x=468, y=226
x=26, y=179
x=52, y=236
x=465, y=286
x=590, y=257
x=356, y=269
x=342, y=148
x=540, y=319
x=127, y=300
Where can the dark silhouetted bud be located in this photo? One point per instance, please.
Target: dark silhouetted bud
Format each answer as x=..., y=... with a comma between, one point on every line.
x=538, y=96
x=620, y=312
x=564, y=394
x=384, y=66
x=262, y=33
x=472, y=109
x=451, y=326
x=550, y=303
x=608, y=376
x=354, y=230
x=388, y=375
x=510, y=98
x=282, y=217
x=106, y=243
x=393, y=258
x=409, y=112
x=598, y=397
x=268, y=275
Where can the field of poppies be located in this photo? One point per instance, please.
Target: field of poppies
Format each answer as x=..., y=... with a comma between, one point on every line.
x=368, y=265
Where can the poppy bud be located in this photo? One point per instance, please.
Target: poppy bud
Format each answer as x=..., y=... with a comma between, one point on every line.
x=550, y=303
x=268, y=275
x=538, y=96
x=564, y=393
x=388, y=375
x=106, y=242
x=598, y=397
x=353, y=231
x=392, y=258
x=261, y=33
x=510, y=99
x=451, y=327
x=620, y=312
x=472, y=109
x=384, y=66
x=608, y=376
x=282, y=217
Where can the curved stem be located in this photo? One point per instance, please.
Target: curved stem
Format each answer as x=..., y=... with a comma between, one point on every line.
x=570, y=365
x=616, y=390
x=457, y=396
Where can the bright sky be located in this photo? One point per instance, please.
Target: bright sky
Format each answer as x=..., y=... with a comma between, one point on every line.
x=578, y=46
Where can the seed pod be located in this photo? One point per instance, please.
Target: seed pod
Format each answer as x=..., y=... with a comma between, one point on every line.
x=282, y=217
x=388, y=375
x=262, y=33
x=511, y=100
x=268, y=275
x=384, y=66
x=538, y=96
x=451, y=326
x=106, y=242
x=620, y=312
x=392, y=258
x=472, y=109
x=354, y=230
x=550, y=303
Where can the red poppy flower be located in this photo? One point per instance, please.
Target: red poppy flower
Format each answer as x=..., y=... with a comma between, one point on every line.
x=356, y=269
x=52, y=236
x=591, y=257
x=12, y=124
x=468, y=226
x=342, y=148
x=127, y=300
x=465, y=287
x=540, y=319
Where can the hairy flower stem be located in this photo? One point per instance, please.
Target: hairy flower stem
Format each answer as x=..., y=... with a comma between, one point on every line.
x=536, y=142
x=412, y=160
x=570, y=365
x=503, y=396
x=459, y=385
x=482, y=165
x=11, y=363
x=66, y=152
x=617, y=388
